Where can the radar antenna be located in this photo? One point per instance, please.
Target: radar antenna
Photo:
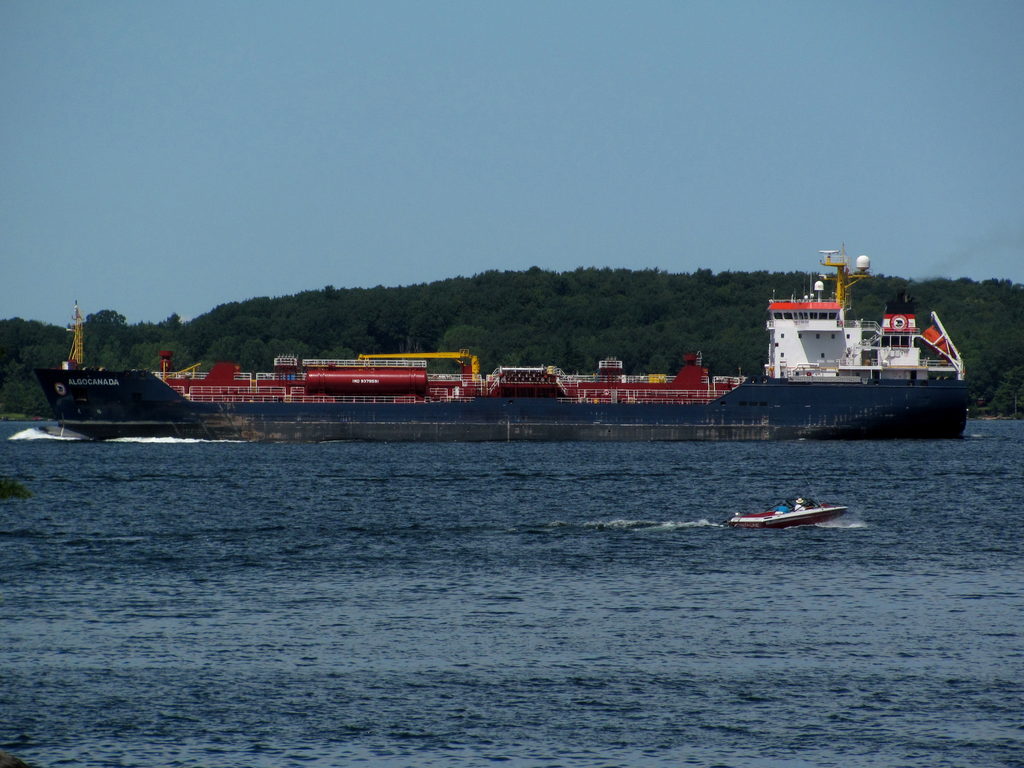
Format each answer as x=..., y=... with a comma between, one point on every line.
x=843, y=278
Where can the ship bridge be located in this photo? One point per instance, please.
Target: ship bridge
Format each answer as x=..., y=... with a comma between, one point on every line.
x=807, y=333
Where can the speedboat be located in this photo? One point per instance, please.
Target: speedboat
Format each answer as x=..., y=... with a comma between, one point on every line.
x=799, y=511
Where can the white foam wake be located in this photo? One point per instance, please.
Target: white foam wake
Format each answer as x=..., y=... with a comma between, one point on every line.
x=841, y=523
x=35, y=433
x=660, y=525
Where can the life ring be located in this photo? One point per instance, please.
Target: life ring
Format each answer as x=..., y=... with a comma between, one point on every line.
x=60, y=389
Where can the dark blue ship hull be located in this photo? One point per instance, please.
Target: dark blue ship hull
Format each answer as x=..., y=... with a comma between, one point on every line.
x=104, y=405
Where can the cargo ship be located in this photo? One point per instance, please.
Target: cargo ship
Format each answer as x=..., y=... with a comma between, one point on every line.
x=827, y=377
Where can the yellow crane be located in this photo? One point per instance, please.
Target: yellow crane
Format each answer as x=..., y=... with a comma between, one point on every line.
x=463, y=356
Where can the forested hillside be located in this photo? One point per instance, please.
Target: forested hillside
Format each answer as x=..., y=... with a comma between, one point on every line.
x=646, y=318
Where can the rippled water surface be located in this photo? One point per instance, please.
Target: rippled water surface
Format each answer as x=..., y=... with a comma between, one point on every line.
x=229, y=604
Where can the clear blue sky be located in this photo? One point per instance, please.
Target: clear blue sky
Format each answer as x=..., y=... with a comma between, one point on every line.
x=162, y=157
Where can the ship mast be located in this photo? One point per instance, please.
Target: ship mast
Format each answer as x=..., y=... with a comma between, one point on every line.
x=77, y=354
x=843, y=278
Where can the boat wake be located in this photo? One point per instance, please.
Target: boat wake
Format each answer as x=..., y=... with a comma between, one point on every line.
x=649, y=525
x=842, y=523
x=54, y=433
x=35, y=433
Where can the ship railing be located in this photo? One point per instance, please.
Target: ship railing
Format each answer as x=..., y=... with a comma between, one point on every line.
x=599, y=378
x=268, y=376
x=465, y=380
x=827, y=323
x=929, y=364
x=454, y=393
x=237, y=397
x=632, y=396
x=841, y=374
x=221, y=390
x=191, y=375
x=357, y=399
x=211, y=390
x=813, y=369
x=868, y=327
x=617, y=378
x=261, y=397
x=253, y=385
x=384, y=362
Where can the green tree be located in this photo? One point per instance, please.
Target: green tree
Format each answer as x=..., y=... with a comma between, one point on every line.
x=1008, y=399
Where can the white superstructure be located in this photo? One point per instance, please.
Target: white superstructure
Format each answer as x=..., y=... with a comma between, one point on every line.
x=812, y=337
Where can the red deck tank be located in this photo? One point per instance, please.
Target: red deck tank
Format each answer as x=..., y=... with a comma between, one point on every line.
x=367, y=381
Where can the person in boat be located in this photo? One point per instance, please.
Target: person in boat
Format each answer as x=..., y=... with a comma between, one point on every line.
x=793, y=505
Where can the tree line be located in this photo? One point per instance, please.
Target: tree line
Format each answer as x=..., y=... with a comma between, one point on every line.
x=647, y=318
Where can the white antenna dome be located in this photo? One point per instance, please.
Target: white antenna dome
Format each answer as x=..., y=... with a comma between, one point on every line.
x=819, y=286
x=863, y=263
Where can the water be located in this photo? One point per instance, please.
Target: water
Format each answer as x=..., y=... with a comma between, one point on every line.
x=227, y=604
